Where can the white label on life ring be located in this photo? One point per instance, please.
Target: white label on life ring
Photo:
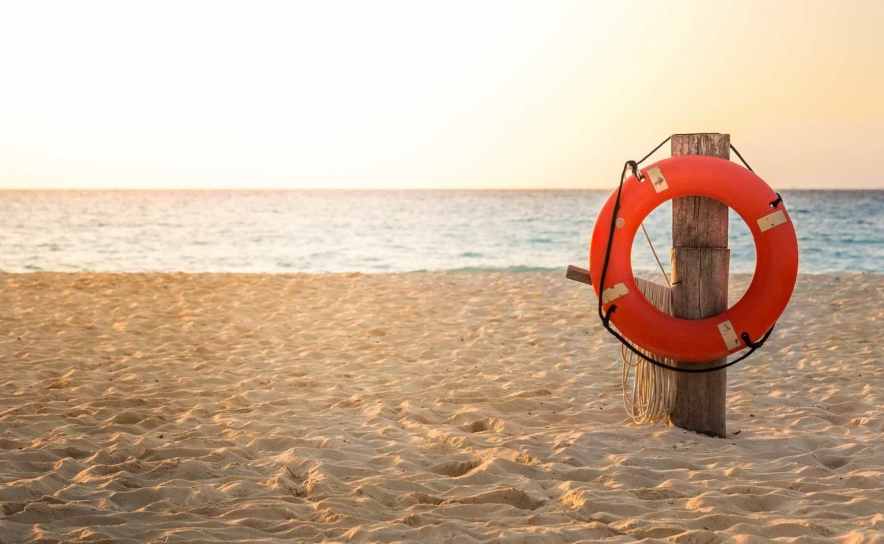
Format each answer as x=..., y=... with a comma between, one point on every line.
x=614, y=292
x=729, y=335
x=772, y=220
x=657, y=180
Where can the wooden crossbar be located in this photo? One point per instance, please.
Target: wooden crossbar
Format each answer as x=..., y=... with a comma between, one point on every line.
x=576, y=273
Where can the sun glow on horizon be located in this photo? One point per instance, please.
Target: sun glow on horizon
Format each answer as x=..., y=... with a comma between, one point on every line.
x=419, y=95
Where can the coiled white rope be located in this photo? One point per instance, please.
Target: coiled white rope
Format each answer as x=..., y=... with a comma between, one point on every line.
x=653, y=388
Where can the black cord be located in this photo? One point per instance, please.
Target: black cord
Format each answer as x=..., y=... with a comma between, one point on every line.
x=753, y=346
x=605, y=316
x=746, y=164
x=646, y=157
x=774, y=203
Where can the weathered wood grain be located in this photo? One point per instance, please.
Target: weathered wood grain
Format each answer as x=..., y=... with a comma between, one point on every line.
x=700, y=261
x=698, y=221
x=578, y=274
x=693, y=295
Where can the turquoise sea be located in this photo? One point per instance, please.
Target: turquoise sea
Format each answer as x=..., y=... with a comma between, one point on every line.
x=382, y=231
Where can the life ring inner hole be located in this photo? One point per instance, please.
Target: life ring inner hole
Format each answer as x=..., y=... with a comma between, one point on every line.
x=658, y=224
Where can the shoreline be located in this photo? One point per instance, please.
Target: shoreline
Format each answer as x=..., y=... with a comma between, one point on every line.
x=468, y=271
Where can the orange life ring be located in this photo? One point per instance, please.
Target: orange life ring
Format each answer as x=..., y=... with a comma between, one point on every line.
x=776, y=257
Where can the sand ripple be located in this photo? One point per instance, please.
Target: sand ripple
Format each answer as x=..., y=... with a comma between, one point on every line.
x=422, y=407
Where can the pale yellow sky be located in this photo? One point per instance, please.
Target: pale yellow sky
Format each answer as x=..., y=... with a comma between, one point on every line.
x=431, y=95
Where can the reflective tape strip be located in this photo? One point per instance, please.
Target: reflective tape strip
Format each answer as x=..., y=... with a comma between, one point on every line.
x=772, y=220
x=657, y=180
x=614, y=292
x=726, y=329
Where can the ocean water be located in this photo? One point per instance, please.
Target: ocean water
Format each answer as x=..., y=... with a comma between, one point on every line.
x=382, y=231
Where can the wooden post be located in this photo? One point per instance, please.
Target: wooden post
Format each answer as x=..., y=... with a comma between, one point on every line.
x=700, y=261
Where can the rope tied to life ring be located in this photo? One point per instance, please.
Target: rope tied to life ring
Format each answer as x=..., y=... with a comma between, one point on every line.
x=632, y=166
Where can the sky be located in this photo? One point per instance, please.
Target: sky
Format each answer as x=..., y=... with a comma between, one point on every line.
x=451, y=95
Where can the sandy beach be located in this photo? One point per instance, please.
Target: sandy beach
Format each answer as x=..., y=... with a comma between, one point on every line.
x=418, y=407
